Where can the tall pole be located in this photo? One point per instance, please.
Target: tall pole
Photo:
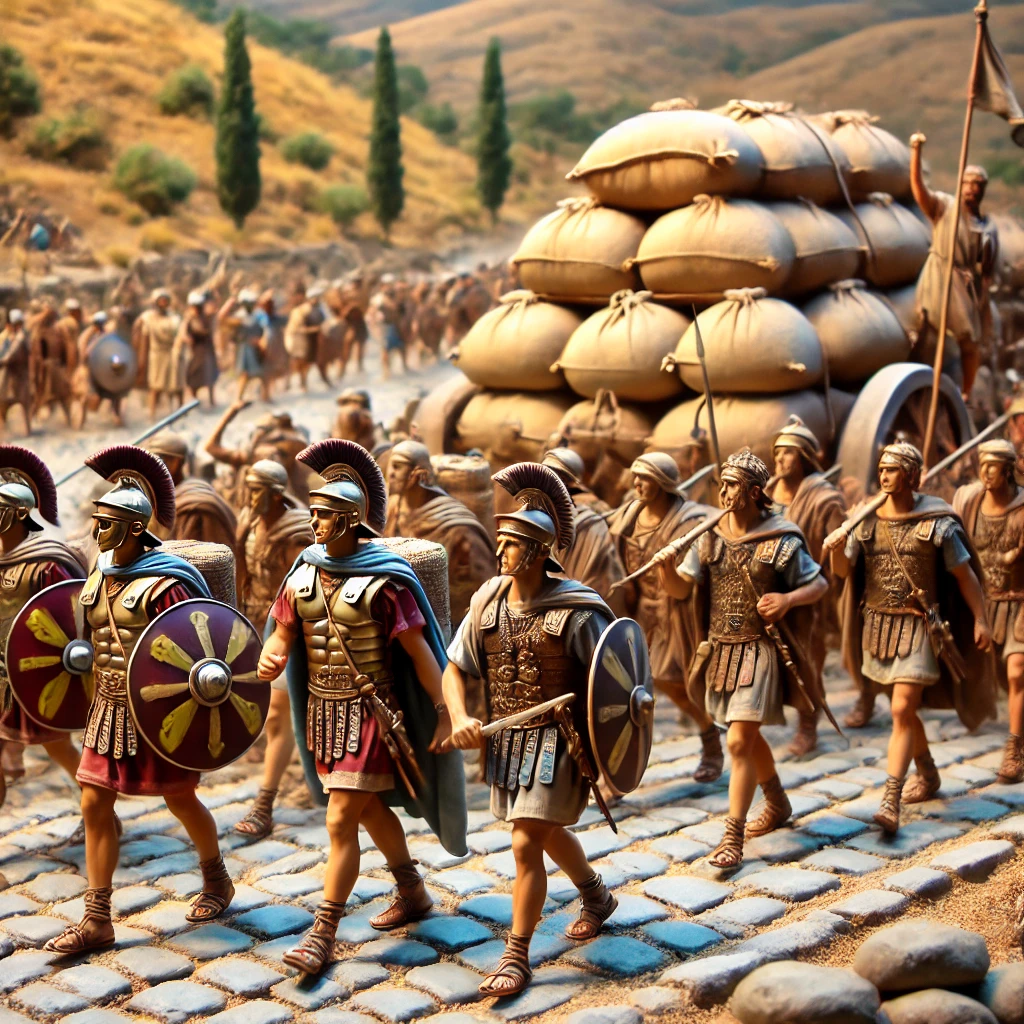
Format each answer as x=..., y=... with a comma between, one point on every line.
x=981, y=16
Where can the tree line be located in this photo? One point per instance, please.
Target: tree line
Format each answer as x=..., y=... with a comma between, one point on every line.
x=239, y=130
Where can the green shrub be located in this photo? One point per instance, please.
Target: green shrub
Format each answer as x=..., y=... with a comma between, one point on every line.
x=152, y=179
x=78, y=139
x=19, y=89
x=441, y=120
x=187, y=91
x=344, y=203
x=309, y=149
x=412, y=87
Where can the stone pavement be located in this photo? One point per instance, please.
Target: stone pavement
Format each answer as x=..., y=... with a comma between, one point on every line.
x=681, y=931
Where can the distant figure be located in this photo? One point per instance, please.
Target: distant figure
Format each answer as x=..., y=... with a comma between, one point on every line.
x=15, y=382
x=155, y=336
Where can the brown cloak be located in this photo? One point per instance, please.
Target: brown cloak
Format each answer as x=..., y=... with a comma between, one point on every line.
x=593, y=558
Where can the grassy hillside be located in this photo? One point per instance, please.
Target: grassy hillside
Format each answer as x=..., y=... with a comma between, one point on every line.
x=113, y=56
x=350, y=15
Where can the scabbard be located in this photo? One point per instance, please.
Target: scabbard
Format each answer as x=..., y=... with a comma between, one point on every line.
x=393, y=733
x=579, y=755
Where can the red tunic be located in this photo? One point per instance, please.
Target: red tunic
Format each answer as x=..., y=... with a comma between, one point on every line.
x=370, y=768
x=147, y=773
x=15, y=725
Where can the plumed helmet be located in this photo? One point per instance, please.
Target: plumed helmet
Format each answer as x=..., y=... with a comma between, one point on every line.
x=142, y=489
x=352, y=480
x=26, y=483
x=796, y=434
x=565, y=462
x=546, y=514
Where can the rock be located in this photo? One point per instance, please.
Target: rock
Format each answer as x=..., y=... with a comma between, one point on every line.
x=919, y=954
x=936, y=1006
x=711, y=980
x=790, y=992
x=655, y=1000
x=1002, y=992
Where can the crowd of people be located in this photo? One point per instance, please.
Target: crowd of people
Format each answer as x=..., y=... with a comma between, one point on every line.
x=64, y=358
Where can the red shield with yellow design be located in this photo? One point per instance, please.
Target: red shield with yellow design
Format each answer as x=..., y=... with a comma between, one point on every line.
x=48, y=660
x=192, y=685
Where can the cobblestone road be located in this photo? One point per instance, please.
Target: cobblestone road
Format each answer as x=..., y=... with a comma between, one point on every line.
x=680, y=932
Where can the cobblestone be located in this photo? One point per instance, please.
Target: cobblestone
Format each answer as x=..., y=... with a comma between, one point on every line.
x=155, y=964
x=924, y=882
x=309, y=993
x=451, y=933
x=711, y=980
x=687, y=893
x=96, y=984
x=44, y=1000
x=791, y=883
x=395, y=1004
x=238, y=976
x=448, y=983
x=620, y=955
x=976, y=861
x=253, y=1011
x=176, y=1001
x=871, y=906
x=683, y=937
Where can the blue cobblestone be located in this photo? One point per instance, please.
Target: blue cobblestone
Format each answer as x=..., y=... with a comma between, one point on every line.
x=253, y=1011
x=354, y=975
x=912, y=838
x=56, y=886
x=543, y=947
x=448, y=983
x=844, y=862
x=551, y=987
x=395, y=1004
x=176, y=1001
x=44, y=1000
x=274, y=921
x=633, y=911
x=835, y=827
x=690, y=894
x=791, y=883
x=871, y=905
x=924, y=882
x=210, y=941
x=711, y=979
x=680, y=848
x=633, y=866
x=735, y=918
x=309, y=993
x=968, y=808
x=238, y=976
x=397, y=952
x=462, y=881
x=620, y=955
x=682, y=937
x=451, y=933
x=976, y=861
x=496, y=908
x=33, y=931
x=154, y=964
x=12, y=903
x=94, y=983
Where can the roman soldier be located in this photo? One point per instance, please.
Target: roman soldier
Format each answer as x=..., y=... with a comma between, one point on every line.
x=530, y=635
x=593, y=558
x=273, y=530
x=914, y=619
x=200, y=512
x=52, y=363
x=992, y=510
x=363, y=652
x=197, y=344
x=15, y=369
x=418, y=507
x=29, y=563
x=133, y=583
x=810, y=501
x=752, y=575
x=642, y=527
x=155, y=337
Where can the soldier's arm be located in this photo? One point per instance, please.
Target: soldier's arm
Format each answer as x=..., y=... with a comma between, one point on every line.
x=465, y=730
x=214, y=448
x=428, y=672
x=274, y=655
x=923, y=196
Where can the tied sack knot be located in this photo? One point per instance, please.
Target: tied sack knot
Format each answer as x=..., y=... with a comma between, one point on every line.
x=745, y=296
x=849, y=285
x=881, y=199
x=746, y=110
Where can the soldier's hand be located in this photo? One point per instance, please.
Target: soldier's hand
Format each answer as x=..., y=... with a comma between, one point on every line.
x=441, y=734
x=465, y=734
x=834, y=540
x=917, y=140
x=982, y=635
x=772, y=607
x=270, y=666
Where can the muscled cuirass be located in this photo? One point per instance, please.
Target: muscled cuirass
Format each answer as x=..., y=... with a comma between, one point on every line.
x=887, y=587
x=117, y=614
x=994, y=537
x=738, y=574
x=527, y=660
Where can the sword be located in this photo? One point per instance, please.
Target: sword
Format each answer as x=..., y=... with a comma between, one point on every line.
x=528, y=715
x=149, y=432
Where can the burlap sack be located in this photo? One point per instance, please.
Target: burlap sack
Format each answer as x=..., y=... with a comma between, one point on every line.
x=858, y=331
x=904, y=304
x=620, y=348
x=430, y=563
x=715, y=245
x=468, y=478
x=800, y=159
x=751, y=344
x=439, y=410
x=215, y=562
x=511, y=426
x=662, y=159
x=826, y=249
x=512, y=347
x=742, y=420
x=879, y=162
x=899, y=242
x=606, y=425
x=578, y=253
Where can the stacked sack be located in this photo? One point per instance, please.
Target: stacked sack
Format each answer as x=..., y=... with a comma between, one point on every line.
x=787, y=234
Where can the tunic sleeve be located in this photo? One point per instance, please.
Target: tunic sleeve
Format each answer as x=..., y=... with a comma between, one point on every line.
x=587, y=628
x=283, y=609
x=691, y=564
x=170, y=597
x=462, y=651
x=800, y=569
x=949, y=535
x=397, y=610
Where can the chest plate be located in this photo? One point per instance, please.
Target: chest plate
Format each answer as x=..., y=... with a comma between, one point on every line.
x=994, y=538
x=887, y=587
x=733, y=598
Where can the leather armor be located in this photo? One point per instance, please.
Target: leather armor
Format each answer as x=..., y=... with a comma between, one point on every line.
x=994, y=537
x=110, y=727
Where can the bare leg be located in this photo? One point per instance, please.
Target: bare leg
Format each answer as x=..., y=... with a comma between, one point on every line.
x=101, y=839
x=530, y=888
x=908, y=736
x=1012, y=768
x=411, y=901
x=386, y=832
x=243, y=383
x=344, y=809
x=198, y=822
x=752, y=763
x=565, y=850
x=280, y=745
x=64, y=753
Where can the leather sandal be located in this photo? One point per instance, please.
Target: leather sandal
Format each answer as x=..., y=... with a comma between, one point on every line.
x=259, y=822
x=411, y=903
x=729, y=852
x=218, y=892
x=925, y=783
x=861, y=713
x=513, y=972
x=777, y=809
x=316, y=950
x=94, y=931
x=805, y=739
x=712, y=757
x=598, y=905
x=1011, y=770
x=888, y=814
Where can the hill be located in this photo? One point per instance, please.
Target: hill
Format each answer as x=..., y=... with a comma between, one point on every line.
x=883, y=55
x=350, y=15
x=112, y=56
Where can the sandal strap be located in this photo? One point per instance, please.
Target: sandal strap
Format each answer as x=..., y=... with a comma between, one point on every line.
x=732, y=842
x=261, y=814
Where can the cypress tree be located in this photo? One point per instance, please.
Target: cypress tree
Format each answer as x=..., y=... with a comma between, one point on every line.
x=494, y=165
x=384, y=172
x=238, y=143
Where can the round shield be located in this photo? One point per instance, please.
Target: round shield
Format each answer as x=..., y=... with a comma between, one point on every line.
x=192, y=685
x=48, y=661
x=620, y=705
x=113, y=364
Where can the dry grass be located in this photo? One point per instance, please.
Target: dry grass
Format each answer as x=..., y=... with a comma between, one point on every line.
x=114, y=55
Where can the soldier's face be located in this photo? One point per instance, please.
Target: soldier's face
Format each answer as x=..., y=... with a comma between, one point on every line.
x=400, y=473
x=327, y=524
x=112, y=533
x=646, y=489
x=734, y=495
x=788, y=462
x=513, y=555
x=993, y=475
x=891, y=479
x=974, y=191
x=259, y=499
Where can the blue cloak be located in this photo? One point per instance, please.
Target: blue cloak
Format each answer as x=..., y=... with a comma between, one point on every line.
x=443, y=801
x=158, y=563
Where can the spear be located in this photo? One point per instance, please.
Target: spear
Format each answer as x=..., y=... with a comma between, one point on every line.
x=709, y=401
